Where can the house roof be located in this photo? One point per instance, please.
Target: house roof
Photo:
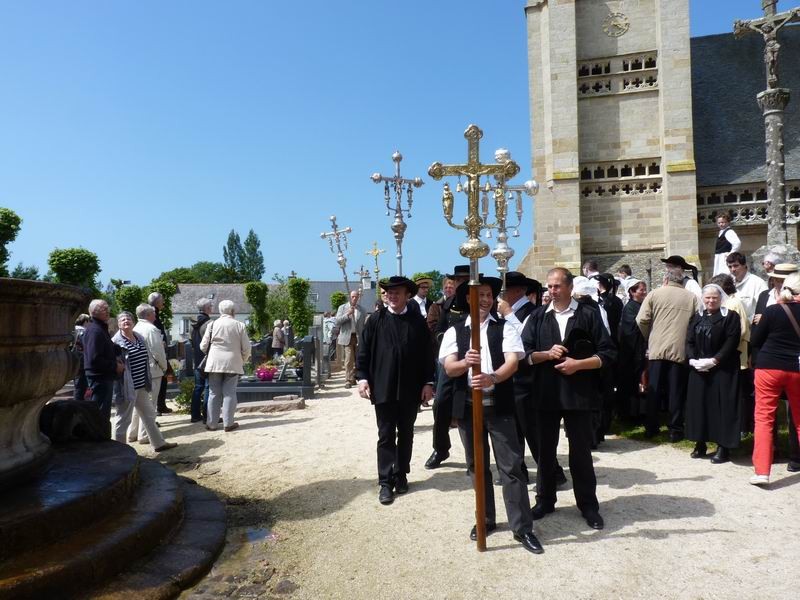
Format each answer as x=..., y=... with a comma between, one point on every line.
x=321, y=295
x=728, y=125
x=185, y=300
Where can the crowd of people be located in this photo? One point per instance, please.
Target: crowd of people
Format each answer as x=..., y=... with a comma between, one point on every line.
x=582, y=350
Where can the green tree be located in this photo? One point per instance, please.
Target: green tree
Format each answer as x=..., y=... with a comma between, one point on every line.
x=301, y=311
x=233, y=253
x=9, y=228
x=200, y=272
x=252, y=266
x=22, y=272
x=128, y=297
x=256, y=293
x=167, y=289
x=75, y=266
x=337, y=299
x=277, y=303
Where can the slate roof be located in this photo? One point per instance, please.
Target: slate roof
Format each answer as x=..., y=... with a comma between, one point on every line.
x=728, y=126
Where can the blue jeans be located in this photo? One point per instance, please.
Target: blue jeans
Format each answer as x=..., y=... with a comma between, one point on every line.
x=199, y=408
x=102, y=394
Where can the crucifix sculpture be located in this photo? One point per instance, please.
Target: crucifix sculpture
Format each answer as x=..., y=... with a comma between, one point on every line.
x=474, y=249
x=339, y=236
x=772, y=102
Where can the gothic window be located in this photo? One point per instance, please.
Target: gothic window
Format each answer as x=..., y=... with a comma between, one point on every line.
x=651, y=81
x=701, y=200
x=607, y=68
x=586, y=173
x=597, y=69
x=600, y=190
x=650, y=63
x=655, y=186
x=626, y=171
x=583, y=71
x=761, y=212
x=794, y=192
x=746, y=196
x=641, y=188
x=636, y=65
x=597, y=87
x=627, y=188
x=762, y=194
x=654, y=169
x=614, y=190
x=587, y=192
x=613, y=172
x=640, y=170
x=599, y=173
x=626, y=66
x=584, y=88
x=730, y=197
x=713, y=198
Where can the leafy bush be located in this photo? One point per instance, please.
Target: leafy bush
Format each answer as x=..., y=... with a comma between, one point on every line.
x=256, y=293
x=75, y=266
x=301, y=312
x=184, y=397
x=337, y=299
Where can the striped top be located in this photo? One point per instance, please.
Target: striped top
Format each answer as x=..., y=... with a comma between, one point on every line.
x=137, y=361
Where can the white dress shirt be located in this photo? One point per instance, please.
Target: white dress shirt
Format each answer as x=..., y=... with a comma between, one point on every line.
x=563, y=316
x=511, y=343
x=421, y=302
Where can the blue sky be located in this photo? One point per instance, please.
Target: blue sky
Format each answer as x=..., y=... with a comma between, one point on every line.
x=146, y=131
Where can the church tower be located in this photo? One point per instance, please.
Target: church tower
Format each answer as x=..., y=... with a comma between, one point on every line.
x=611, y=133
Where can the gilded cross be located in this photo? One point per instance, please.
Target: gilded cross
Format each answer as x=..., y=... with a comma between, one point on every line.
x=375, y=253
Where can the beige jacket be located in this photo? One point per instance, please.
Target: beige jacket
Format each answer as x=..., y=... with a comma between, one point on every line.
x=736, y=306
x=664, y=319
x=155, y=343
x=227, y=345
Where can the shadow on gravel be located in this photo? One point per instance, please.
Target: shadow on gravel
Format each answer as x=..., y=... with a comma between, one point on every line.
x=444, y=481
x=566, y=526
x=245, y=420
x=620, y=479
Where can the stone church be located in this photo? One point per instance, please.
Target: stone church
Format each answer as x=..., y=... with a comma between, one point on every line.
x=641, y=135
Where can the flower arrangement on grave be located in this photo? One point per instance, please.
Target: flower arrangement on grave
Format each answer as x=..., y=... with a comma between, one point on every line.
x=266, y=371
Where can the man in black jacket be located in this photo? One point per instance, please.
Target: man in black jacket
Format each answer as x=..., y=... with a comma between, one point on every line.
x=100, y=360
x=498, y=356
x=567, y=384
x=394, y=368
x=205, y=306
x=156, y=300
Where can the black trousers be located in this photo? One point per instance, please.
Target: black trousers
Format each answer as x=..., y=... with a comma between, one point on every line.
x=508, y=457
x=442, y=413
x=395, y=438
x=527, y=430
x=667, y=388
x=579, y=428
x=162, y=395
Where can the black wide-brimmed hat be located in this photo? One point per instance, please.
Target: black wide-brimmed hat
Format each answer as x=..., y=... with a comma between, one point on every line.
x=462, y=291
x=678, y=261
x=459, y=271
x=517, y=279
x=395, y=281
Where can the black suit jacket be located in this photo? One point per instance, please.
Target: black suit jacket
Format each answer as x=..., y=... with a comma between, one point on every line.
x=550, y=389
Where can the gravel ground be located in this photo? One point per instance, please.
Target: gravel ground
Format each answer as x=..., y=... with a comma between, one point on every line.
x=305, y=521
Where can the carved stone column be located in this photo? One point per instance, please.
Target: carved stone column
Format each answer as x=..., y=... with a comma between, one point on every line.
x=773, y=103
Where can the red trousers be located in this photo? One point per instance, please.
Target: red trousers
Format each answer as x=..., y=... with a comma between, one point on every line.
x=770, y=383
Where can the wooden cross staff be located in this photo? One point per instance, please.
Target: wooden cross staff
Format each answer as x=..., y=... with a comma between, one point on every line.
x=474, y=249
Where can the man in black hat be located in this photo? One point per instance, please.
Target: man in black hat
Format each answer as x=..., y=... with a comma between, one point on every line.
x=443, y=402
x=394, y=368
x=501, y=348
x=567, y=345
x=676, y=262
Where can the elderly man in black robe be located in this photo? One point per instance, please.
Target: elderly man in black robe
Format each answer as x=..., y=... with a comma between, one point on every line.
x=567, y=345
x=394, y=368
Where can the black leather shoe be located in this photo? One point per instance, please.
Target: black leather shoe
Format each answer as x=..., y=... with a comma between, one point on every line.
x=540, y=510
x=401, y=484
x=793, y=466
x=699, y=451
x=530, y=542
x=561, y=478
x=386, y=495
x=473, y=535
x=435, y=460
x=675, y=436
x=594, y=520
x=721, y=456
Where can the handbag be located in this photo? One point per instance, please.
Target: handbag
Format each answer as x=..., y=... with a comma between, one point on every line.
x=202, y=366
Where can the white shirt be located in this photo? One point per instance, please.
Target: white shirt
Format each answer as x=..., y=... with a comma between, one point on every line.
x=511, y=343
x=720, y=260
x=563, y=316
x=691, y=285
x=421, y=302
x=748, y=290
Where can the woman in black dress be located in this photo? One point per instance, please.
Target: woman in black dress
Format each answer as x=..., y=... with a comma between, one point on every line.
x=712, y=399
x=632, y=349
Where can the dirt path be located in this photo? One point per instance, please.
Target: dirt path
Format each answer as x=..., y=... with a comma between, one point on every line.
x=305, y=521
